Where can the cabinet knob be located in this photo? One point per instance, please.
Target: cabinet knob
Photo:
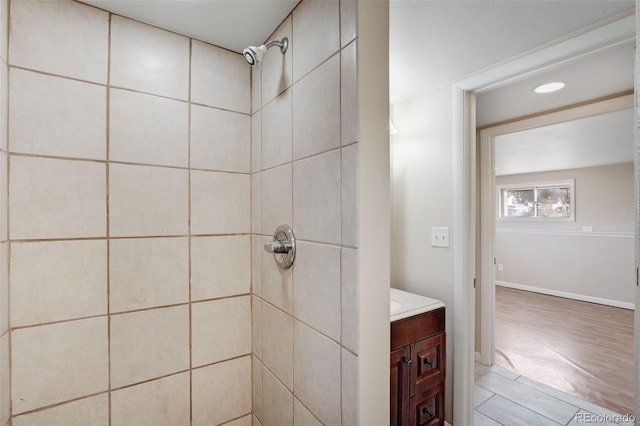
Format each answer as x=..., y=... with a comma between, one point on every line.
x=427, y=362
x=427, y=412
x=406, y=361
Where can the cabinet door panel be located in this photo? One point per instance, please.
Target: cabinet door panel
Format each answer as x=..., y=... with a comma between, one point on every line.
x=427, y=408
x=399, y=413
x=428, y=363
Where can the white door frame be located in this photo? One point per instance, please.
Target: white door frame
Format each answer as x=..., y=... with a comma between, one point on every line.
x=464, y=155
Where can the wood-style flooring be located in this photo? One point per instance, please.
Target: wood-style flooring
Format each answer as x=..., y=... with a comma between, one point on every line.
x=580, y=348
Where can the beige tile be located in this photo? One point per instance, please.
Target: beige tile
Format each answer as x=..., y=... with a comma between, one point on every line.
x=4, y=194
x=5, y=394
x=149, y=344
x=257, y=387
x=70, y=116
x=148, y=272
x=228, y=384
x=4, y=28
x=302, y=416
x=316, y=198
x=220, y=140
x=256, y=89
x=256, y=264
x=277, y=343
x=277, y=401
x=317, y=373
x=243, y=421
x=276, y=283
x=88, y=411
x=277, y=131
x=159, y=402
x=59, y=362
x=221, y=329
x=148, y=129
x=220, y=203
x=57, y=198
x=148, y=59
x=4, y=95
x=220, y=266
x=256, y=142
x=350, y=303
x=148, y=201
x=276, y=67
x=256, y=422
x=76, y=49
x=276, y=198
x=348, y=21
x=350, y=389
x=58, y=280
x=256, y=203
x=316, y=25
x=350, y=111
x=316, y=280
x=220, y=78
x=4, y=288
x=256, y=326
x=350, y=195
x=316, y=110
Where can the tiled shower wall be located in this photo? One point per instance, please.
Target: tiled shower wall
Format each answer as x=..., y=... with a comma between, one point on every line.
x=304, y=163
x=129, y=223
x=5, y=396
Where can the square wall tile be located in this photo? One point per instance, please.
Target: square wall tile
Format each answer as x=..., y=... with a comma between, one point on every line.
x=220, y=266
x=276, y=67
x=349, y=106
x=220, y=329
x=58, y=280
x=316, y=25
x=256, y=326
x=256, y=265
x=350, y=195
x=277, y=343
x=350, y=390
x=4, y=95
x=317, y=373
x=149, y=344
x=88, y=411
x=277, y=131
x=243, y=421
x=276, y=283
x=4, y=288
x=316, y=110
x=5, y=394
x=316, y=280
x=257, y=387
x=256, y=203
x=277, y=401
x=220, y=203
x=276, y=198
x=256, y=89
x=350, y=299
x=148, y=59
x=220, y=78
x=256, y=422
x=256, y=142
x=221, y=392
x=348, y=21
x=148, y=201
x=76, y=49
x=57, y=198
x=317, y=198
x=148, y=272
x=70, y=116
x=148, y=129
x=4, y=201
x=159, y=402
x=302, y=416
x=59, y=362
x=220, y=140
x=4, y=27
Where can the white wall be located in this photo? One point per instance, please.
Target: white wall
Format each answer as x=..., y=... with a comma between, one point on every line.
x=557, y=257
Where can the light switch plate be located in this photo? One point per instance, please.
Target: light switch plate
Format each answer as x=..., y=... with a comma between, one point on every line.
x=439, y=237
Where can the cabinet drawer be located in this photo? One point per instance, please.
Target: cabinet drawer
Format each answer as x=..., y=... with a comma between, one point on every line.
x=427, y=408
x=427, y=363
x=412, y=329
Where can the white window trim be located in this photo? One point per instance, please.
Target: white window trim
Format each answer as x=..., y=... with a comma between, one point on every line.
x=533, y=185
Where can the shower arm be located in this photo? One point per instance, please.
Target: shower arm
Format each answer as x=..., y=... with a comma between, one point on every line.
x=283, y=45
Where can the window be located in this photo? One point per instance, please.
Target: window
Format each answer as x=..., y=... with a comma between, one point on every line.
x=544, y=200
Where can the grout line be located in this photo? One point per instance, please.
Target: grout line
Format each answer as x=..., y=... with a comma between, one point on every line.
x=189, y=195
x=132, y=237
x=7, y=261
x=58, y=404
x=108, y=228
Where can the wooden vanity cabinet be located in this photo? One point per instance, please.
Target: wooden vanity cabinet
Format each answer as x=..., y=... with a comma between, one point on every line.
x=418, y=370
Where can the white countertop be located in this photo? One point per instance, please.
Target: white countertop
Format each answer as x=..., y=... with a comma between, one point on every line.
x=403, y=304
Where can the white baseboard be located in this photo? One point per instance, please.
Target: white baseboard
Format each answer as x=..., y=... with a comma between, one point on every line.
x=581, y=297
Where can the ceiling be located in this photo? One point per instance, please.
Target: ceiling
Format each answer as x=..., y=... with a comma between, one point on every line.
x=587, y=142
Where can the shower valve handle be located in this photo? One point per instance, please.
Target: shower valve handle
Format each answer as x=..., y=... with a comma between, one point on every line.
x=278, y=246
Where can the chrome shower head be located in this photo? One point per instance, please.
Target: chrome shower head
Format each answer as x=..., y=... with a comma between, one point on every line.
x=254, y=54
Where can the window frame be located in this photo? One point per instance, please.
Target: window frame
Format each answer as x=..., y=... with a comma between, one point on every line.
x=535, y=186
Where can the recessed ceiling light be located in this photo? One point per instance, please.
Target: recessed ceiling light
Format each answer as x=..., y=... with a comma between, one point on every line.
x=549, y=87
